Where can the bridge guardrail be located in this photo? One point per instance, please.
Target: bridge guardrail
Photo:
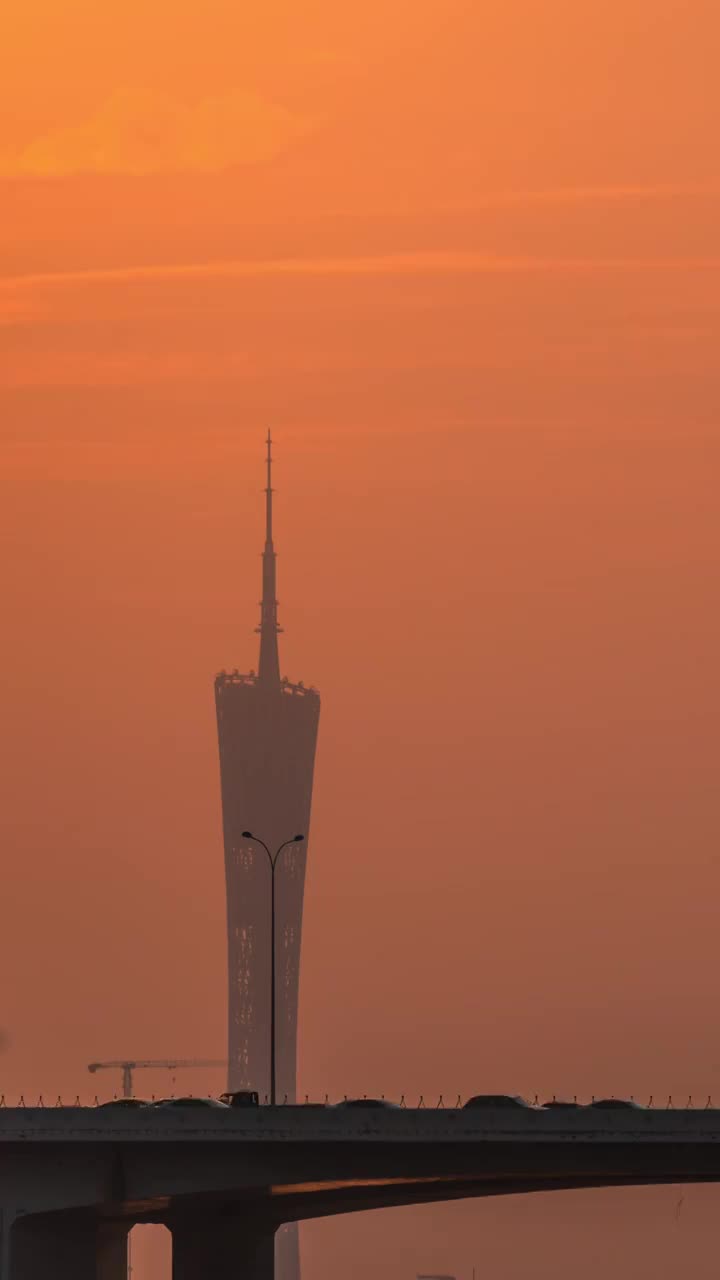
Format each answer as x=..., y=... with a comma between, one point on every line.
x=421, y=1104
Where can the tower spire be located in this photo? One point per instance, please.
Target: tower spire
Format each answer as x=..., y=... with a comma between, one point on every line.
x=269, y=668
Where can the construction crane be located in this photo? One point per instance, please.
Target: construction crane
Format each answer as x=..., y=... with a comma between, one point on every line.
x=128, y=1065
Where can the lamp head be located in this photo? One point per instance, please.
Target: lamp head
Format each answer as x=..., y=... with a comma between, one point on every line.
x=248, y=835
x=297, y=839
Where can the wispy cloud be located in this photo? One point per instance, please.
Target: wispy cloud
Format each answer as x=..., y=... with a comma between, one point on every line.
x=142, y=132
x=419, y=263
x=626, y=193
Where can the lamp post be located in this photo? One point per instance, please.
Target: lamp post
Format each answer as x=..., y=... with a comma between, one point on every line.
x=272, y=859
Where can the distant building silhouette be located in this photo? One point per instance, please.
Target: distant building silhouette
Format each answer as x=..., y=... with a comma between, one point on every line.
x=267, y=730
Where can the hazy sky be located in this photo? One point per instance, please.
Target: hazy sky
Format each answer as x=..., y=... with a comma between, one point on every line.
x=463, y=258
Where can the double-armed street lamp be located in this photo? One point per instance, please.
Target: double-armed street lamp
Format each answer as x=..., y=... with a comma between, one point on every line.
x=272, y=859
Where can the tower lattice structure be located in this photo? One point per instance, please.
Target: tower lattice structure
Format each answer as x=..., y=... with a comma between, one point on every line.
x=267, y=731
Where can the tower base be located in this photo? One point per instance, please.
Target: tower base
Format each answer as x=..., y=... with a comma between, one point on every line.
x=287, y=1252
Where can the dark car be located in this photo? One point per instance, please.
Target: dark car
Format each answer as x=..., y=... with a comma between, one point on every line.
x=368, y=1104
x=241, y=1098
x=615, y=1104
x=191, y=1102
x=559, y=1104
x=125, y=1103
x=489, y=1101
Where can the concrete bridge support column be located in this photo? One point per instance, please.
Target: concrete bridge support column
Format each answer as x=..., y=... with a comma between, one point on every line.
x=111, y=1251
x=6, y=1221
x=60, y=1247
x=222, y=1248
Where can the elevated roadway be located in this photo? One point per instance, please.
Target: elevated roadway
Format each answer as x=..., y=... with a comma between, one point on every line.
x=74, y=1180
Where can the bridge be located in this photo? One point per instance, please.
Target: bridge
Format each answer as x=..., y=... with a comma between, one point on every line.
x=74, y=1180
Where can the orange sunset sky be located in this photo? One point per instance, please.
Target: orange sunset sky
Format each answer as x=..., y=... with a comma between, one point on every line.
x=463, y=258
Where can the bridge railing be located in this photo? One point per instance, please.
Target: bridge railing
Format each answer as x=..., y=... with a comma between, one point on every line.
x=432, y=1102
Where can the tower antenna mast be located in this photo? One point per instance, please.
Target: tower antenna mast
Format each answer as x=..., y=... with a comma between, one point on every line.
x=269, y=666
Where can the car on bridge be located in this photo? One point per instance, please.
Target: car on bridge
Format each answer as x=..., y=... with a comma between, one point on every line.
x=126, y=1104
x=374, y=1104
x=616, y=1104
x=189, y=1101
x=497, y=1100
x=241, y=1098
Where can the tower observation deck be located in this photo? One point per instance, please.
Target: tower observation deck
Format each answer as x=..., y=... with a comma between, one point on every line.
x=267, y=731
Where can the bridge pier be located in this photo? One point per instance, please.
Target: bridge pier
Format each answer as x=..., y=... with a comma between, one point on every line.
x=6, y=1221
x=62, y=1247
x=222, y=1247
x=111, y=1251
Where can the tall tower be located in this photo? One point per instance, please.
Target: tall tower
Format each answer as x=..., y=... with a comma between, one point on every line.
x=267, y=731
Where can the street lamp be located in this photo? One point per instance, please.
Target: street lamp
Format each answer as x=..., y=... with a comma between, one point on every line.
x=272, y=859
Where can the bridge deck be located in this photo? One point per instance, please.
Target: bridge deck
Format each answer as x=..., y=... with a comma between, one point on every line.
x=300, y=1124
